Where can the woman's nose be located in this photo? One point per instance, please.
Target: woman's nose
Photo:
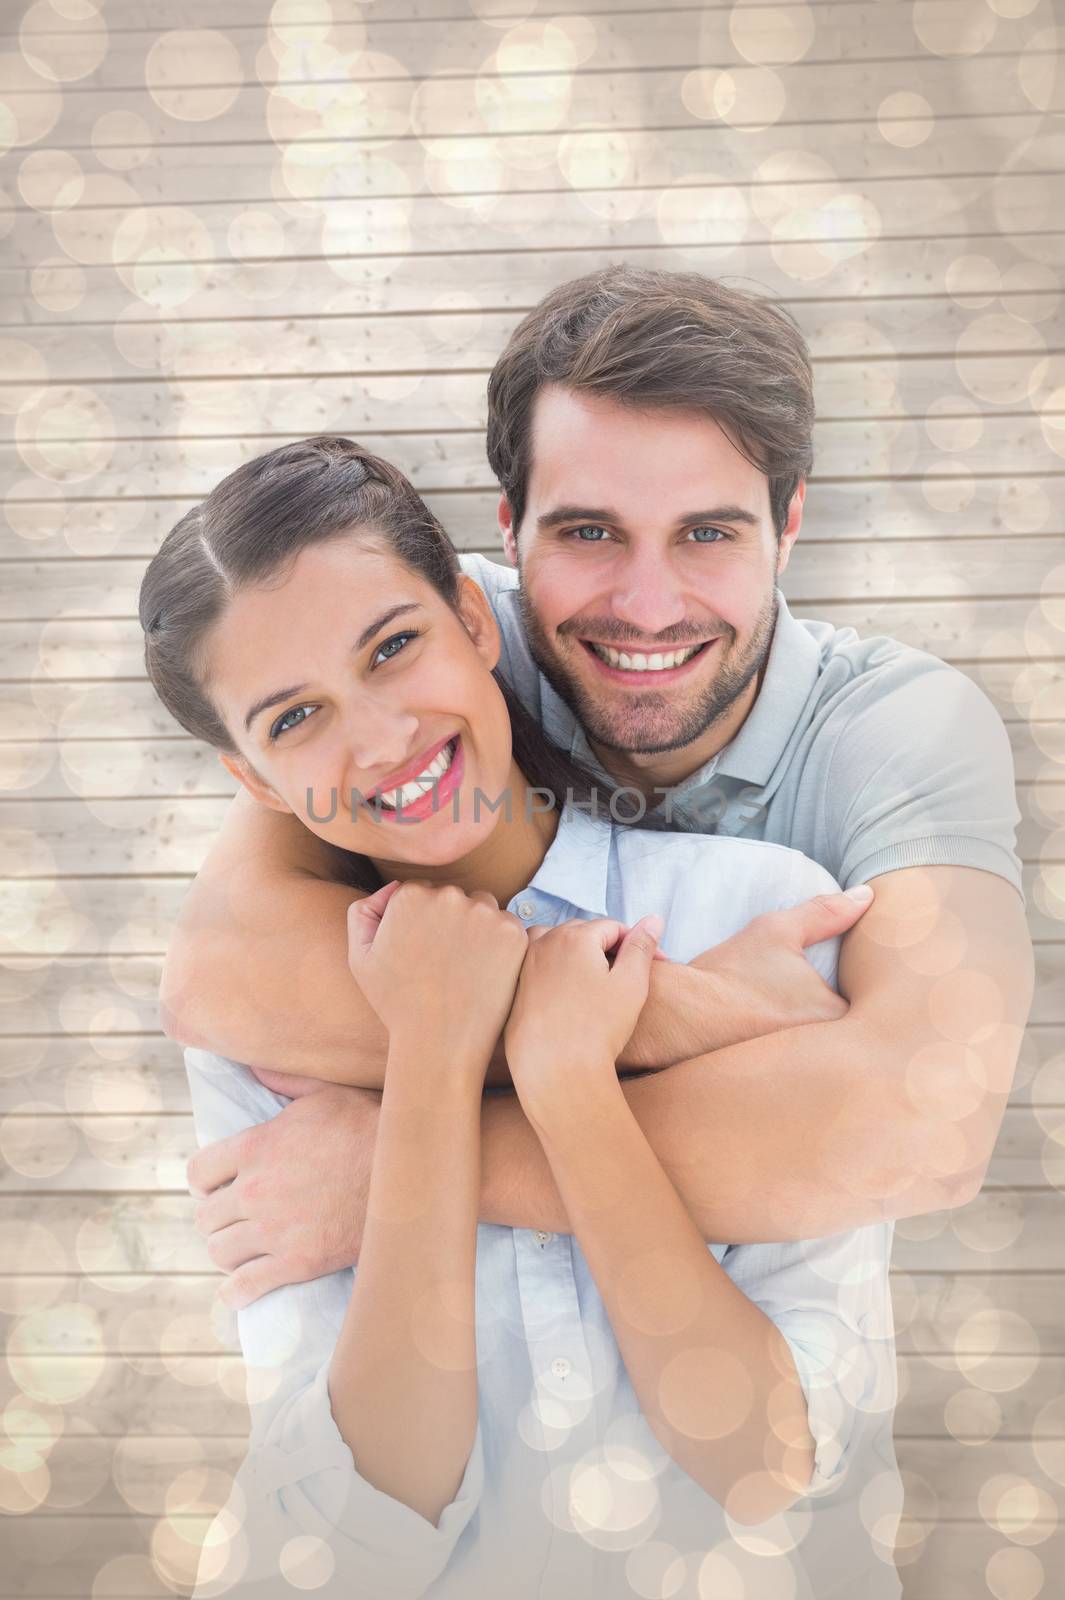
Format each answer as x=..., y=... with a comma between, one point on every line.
x=379, y=739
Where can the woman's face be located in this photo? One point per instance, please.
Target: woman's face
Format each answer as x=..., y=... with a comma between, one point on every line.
x=351, y=677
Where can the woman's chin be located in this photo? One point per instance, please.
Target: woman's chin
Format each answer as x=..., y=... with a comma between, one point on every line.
x=435, y=841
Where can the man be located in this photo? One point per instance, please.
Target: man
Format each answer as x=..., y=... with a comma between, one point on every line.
x=651, y=433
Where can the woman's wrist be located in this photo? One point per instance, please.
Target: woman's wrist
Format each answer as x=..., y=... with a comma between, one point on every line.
x=454, y=1061
x=557, y=1097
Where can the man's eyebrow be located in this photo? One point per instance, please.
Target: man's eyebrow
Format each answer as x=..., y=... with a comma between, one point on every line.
x=364, y=639
x=592, y=514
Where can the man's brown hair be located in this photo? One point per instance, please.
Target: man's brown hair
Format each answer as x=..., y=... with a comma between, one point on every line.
x=670, y=339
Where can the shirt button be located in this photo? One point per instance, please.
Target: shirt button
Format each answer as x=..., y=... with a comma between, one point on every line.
x=526, y=909
x=560, y=1367
x=543, y=1238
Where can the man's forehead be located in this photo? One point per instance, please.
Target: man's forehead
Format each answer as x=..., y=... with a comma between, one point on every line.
x=593, y=451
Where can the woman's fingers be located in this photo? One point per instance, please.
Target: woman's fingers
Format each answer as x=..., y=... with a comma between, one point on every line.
x=364, y=919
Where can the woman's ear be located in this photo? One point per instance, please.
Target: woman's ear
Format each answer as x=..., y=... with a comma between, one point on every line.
x=257, y=787
x=479, y=620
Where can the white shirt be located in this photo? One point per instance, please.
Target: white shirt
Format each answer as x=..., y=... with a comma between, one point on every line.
x=567, y=1494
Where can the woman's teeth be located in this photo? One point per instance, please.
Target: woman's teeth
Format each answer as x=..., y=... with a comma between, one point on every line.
x=415, y=788
x=642, y=663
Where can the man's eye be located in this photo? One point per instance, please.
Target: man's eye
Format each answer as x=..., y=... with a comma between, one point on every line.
x=712, y=535
x=386, y=652
x=589, y=528
x=283, y=723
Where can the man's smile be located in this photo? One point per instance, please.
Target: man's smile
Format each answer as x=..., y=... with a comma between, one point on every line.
x=644, y=667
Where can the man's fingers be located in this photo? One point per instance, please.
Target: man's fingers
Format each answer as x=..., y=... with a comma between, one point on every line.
x=213, y=1165
x=252, y=1281
x=218, y=1210
x=828, y=914
x=229, y=1248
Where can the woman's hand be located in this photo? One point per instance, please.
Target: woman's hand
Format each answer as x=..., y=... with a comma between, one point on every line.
x=439, y=967
x=575, y=1009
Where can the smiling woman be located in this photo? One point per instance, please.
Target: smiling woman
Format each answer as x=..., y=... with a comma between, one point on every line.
x=257, y=585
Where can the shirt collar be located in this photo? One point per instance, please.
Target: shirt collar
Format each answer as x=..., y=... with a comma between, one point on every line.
x=576, y=866
x=790, y=674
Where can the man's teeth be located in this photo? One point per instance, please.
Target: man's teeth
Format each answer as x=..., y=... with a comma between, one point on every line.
x=642, y=663
x=414, y=788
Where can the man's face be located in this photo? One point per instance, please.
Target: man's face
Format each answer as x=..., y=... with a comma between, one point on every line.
x=646, y=534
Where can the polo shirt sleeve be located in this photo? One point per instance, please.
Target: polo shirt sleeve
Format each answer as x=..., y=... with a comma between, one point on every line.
x=298, y=1496
x=830, y=1299
x=921, y=775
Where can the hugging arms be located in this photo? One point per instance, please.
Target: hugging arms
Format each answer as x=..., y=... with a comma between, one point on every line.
x=257, y=971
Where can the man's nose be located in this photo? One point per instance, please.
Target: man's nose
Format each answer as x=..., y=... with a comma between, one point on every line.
x=648, y=595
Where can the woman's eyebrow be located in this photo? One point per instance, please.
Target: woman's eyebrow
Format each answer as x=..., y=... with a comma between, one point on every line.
x=364, y=639
x=386, y=617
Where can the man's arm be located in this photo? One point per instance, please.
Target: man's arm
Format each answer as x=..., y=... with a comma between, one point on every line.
x=890, y=1111
x=257, y=968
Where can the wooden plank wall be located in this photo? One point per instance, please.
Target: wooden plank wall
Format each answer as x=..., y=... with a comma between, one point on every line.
x=223, y=225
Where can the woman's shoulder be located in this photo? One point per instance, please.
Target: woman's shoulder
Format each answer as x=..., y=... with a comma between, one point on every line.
x=725, y=858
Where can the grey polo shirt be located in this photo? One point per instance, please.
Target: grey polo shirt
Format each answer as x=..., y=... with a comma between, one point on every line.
x=865, y=754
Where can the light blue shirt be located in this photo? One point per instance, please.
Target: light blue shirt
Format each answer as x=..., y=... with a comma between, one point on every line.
x=567, y=1494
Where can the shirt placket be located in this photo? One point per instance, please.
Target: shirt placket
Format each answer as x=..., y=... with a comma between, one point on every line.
x=563, y=1382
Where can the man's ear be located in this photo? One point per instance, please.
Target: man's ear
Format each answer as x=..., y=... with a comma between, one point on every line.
x=257, y=787
x=507, y=529
x=791, y=527
x=479, y=620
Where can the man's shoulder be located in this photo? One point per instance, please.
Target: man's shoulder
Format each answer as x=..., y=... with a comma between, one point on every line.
x=495, y=577
x=882, y=677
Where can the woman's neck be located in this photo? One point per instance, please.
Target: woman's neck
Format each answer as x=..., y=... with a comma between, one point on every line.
x=504, y=862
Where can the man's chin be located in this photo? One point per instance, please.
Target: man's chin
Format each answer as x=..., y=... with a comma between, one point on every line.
x=642, y=742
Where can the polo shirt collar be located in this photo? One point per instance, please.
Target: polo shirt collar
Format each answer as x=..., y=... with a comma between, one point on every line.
x=791, y=672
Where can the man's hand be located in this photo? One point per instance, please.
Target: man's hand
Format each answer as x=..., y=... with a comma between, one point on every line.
x=284, y=1201
x=756, y=983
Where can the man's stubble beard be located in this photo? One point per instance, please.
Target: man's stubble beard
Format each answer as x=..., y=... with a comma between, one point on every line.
x=729, y=682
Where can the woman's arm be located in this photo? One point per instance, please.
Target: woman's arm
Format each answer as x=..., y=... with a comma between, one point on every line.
x=715, y=1379
x=403, y=1380
x=299, y=1477
x=714, y=1376
x=439, y=968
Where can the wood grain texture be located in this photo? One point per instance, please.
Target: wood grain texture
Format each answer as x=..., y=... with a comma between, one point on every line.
x=332, y=221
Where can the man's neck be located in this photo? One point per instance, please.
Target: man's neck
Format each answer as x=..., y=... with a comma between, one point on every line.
x=666, y=768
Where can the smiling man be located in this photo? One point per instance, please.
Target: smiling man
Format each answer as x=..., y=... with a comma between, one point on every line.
x=651, y=434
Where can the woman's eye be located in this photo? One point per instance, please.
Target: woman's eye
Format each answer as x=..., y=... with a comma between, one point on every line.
x=385, y=652
x=285, y=721
x=712, y=535
x=592, y=528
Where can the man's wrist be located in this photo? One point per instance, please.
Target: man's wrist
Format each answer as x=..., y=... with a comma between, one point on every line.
x=682, y=1018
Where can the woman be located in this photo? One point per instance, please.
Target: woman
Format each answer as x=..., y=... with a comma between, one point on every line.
x=470, y=1408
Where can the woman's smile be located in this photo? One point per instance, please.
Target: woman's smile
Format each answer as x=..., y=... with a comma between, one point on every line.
x=424, y=786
